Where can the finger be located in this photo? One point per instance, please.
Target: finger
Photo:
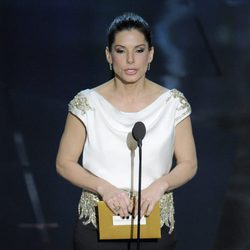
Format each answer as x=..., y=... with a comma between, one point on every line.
x=119, y=204
x=124, y=201
x=132, y=205
x=125, y=198
x=124, y=209
x=149, y=209
x=135, y=210
x=144, y=207
x=115, y=207
x=120, y=208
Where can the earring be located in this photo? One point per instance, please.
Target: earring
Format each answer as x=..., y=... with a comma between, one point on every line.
x=149, y=67
x=110, y=66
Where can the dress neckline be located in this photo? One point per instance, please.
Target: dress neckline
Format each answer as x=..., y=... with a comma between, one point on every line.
x=147, y=107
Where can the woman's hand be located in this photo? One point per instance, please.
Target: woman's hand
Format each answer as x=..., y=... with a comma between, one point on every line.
x=150, y=196
x=116, y=199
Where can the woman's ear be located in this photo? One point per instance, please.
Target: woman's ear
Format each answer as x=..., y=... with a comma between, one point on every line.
x=151, y=54
x=108, y=55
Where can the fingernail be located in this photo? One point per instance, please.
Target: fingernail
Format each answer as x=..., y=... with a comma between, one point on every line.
x=123, y=217
x=127, y=217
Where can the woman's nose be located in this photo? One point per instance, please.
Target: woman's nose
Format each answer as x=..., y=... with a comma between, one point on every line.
x=130, y=58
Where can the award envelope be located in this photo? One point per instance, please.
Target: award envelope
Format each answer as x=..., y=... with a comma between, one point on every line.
x=114, y=227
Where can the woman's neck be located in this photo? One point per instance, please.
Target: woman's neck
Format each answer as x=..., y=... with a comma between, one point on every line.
x=130, y=97
x=130, y=90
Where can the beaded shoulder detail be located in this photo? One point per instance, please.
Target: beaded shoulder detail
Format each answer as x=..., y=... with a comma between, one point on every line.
x=81, y=103
x=87, y=209
x=184, y=107
x=183, y=101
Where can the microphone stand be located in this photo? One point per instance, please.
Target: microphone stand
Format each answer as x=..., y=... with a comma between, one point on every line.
x=138, y=132
x=139, y=197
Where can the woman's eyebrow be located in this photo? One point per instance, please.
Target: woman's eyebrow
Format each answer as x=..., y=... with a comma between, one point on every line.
x=140, y=45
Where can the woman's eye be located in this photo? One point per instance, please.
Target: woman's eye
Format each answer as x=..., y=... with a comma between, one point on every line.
x=140, y=50
x=119, y=51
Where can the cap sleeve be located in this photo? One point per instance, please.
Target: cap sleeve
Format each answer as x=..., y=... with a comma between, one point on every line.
x=183, y=108
x=79, y=106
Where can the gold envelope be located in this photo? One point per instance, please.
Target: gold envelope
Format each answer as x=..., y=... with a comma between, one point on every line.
x=107, y=230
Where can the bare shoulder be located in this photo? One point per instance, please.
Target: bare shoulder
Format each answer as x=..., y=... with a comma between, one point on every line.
x=104, y=88
x=156, y=89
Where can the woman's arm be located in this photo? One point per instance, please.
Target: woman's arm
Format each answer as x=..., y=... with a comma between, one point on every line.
x=70, y=148
x=185, y=154
x=185, y=169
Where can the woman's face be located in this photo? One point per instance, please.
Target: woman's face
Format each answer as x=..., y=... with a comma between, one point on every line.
x=130, y=55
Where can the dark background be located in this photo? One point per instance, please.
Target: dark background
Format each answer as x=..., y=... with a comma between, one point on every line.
x=51, y=49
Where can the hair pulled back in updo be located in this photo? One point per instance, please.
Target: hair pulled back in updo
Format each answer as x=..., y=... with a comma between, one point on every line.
x=129, y=21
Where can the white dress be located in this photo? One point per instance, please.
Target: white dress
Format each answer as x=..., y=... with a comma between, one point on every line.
x=110, y=151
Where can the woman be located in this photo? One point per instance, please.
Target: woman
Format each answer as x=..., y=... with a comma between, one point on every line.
x=99, y=125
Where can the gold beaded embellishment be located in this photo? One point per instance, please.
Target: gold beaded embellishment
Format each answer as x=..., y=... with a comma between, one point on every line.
x=87, y=208
x=80, y=102
x=88, y=204
x=183, y=101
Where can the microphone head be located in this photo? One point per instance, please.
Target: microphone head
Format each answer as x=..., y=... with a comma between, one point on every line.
x=139, y=131
x=131, y=142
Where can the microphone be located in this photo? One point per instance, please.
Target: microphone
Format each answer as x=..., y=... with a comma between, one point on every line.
x=131, y=142
x=138, y=132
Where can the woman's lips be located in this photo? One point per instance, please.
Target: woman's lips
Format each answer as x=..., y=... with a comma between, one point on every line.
x=130, y=71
